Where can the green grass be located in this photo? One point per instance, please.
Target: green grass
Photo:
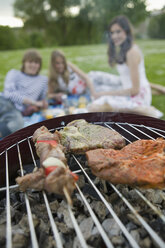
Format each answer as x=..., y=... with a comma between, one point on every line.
x=94, y=57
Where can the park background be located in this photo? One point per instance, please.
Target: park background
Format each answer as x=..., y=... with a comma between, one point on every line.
x=79, y=28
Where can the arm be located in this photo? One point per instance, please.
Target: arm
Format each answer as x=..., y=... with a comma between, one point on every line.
x=13, y=93
x=53, y=95
x=133, y=59
x=41, y=98
x=83, y=76
x=39, y=104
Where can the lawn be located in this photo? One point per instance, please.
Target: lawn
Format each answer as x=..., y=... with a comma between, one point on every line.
x=94, y=57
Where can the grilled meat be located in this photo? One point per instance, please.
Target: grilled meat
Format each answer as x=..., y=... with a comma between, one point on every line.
x=141, y=163
x=80, y=136
x=33, y=180
x=48, y=145
x=77, y=137
x=58, y=179
x=54, y=174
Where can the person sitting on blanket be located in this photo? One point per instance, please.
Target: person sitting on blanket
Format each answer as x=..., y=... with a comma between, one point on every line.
x=66, y=78
x=24, y=93
x=130, y=91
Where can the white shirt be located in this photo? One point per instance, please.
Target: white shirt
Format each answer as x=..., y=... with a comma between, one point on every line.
x=75, y=86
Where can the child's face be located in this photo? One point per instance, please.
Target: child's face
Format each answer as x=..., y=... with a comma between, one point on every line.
x=31, y=67
x=59, y=65
x=118, y=34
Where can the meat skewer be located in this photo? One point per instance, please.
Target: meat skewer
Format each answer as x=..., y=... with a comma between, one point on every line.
x=141, y=164
x=54, y=175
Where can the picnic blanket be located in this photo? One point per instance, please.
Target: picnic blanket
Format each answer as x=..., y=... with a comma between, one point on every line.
x=73, y=104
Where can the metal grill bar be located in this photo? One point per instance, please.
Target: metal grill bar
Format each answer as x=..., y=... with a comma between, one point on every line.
x=163, y=196
x=118, y=221
x=161, y=135
x=29, y=213
x=153, y=234
x=8, y=226
x=10, y=147
x=53, y=224
x=141, y=132
x=107, y=125
x=119, y=125
x=101, y=230
x=77, y=229
x=162, y=131
x=10, y=187
x=156, y=210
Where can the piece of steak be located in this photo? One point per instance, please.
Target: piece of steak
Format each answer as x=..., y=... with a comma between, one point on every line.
x=141, y=163
x=80, y=136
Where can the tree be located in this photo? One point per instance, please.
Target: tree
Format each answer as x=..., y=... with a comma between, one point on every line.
x=53, y=16
x=105, y=10
x=39, y=13
x=61, y=26
x=7, y=38
x=156, y=26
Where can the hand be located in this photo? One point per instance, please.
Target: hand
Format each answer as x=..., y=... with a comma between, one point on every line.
x=41, y=104
x=45, y=104
x=59, y=97
x=96, y=95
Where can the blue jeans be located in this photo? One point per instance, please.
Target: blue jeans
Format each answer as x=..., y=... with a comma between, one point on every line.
x=11, y=119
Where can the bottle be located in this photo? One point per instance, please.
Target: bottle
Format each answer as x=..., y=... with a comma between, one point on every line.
x=65, y=103
x=82, y=102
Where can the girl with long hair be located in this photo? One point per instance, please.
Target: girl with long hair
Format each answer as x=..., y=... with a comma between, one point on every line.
x=66, y=78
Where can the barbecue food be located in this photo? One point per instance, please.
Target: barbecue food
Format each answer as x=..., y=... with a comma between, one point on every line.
x=77, y=137
x=48, y=145
x=54, y=174
x=33, y=180
x=80, y=136
x=141, y=163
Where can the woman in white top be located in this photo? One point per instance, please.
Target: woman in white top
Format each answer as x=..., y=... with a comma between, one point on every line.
x=66, y=78
x=130, y=91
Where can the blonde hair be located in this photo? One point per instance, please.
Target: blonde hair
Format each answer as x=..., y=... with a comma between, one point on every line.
x=53, y=75
x=31, y=55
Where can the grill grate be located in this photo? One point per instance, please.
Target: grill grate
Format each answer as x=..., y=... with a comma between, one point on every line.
x=130, y=132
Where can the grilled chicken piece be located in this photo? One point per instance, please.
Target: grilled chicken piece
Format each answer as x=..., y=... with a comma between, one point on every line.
x=80, y=136
x=141, y=163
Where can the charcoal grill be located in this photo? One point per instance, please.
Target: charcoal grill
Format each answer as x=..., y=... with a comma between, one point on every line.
x=141, y=220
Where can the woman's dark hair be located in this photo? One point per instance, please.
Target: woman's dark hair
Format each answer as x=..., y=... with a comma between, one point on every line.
x=120, y=58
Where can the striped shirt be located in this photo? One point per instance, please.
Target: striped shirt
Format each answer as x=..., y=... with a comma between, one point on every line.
x=19, y=86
